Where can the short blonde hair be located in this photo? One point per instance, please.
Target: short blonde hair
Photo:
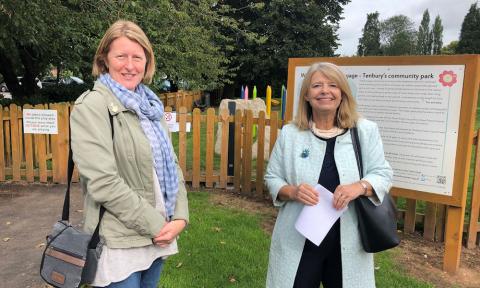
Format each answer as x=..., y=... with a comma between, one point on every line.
x=347, y=113
x=133, y=32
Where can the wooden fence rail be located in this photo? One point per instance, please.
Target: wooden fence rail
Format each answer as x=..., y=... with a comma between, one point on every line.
x=43, y=158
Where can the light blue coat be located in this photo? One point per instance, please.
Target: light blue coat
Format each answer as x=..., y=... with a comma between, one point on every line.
x=287, y=167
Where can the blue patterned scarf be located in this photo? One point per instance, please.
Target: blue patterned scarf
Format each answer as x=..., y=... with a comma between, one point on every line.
x=149, y=109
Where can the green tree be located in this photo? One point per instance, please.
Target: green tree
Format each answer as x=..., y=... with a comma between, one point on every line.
x=187, y=36
x=469, y=42
x=286, y=29
x=449, y=49
x=369, y=43
x=424, y=36
x=397, y=35
x=437, y=36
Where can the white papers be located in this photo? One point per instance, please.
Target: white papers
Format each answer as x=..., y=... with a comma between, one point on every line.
x=314, y=222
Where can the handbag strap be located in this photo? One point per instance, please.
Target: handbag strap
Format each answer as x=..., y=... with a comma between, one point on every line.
x=66, y=202
x=356, y=149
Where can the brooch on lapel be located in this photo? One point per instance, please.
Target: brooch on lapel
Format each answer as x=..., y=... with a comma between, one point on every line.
x=305, y=153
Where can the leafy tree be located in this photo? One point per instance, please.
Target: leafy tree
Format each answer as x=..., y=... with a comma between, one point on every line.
x=424, y=36
x=469, y=42
x=369, y=43
x=449, y=49
x=397, y=35
x=187, y=37
x=286, y=29
x=437, y=36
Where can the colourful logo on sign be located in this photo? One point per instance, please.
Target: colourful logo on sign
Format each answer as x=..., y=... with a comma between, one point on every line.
x=448, y=78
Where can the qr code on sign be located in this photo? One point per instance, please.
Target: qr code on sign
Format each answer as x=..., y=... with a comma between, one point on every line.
x=441, y=179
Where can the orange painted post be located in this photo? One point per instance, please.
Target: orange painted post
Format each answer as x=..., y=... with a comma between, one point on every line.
x=2, y=148
x=15, y=142
x=209, y=147
x=247, y=153
x=260, y=154
x=224, y=118
x=29, y=154
x=196, y=148
x=473, y=226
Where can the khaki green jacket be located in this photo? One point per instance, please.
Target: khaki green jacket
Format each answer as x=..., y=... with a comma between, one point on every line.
x=118, y=173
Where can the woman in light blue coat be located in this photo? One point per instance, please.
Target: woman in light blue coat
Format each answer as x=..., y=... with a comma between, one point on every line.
x=317, y=148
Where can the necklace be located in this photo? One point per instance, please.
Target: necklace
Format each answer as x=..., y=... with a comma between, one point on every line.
x=328, y=133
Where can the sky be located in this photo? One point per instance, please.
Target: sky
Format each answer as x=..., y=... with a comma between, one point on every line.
x=451, y=12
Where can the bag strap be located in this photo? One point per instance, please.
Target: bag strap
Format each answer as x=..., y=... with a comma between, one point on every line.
x=356, y=149
x=66, y=202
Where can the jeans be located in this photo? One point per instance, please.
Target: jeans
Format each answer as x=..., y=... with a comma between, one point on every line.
x=142, y=279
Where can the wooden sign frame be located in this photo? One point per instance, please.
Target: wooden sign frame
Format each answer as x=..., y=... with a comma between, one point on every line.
x=467, y=113
x=457, y=201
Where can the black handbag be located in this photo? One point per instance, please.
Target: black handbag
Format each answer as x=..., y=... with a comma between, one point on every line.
x=71, y=256
x=377, y=225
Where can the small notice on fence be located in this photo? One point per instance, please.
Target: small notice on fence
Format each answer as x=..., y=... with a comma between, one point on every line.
x=38, y=121
x=173, y=125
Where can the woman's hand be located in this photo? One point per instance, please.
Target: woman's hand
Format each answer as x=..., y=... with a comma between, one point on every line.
x=346, y=193
x=169, y=232
x=302, y=193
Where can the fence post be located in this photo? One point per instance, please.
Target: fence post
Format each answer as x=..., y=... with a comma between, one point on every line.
x=196, y=119
x=224, y=117
x=16, y=156
x=209, y=147
x=260, y=154
x=247, y=153
x=28, y=153
x=237, y=172
x=2, y=148
x=474, y=225
x=182, y=133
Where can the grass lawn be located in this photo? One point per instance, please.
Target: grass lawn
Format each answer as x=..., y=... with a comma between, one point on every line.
x=225, y=247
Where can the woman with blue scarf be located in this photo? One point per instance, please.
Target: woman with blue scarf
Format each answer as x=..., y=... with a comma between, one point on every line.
x=127, y=164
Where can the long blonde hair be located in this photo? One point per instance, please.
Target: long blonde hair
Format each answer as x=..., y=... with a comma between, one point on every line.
x=347, y=113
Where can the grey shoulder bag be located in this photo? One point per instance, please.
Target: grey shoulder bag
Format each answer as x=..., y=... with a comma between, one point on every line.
x=71, y=256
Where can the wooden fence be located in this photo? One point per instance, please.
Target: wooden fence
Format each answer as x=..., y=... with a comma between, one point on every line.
x=181, y=99
x=43, y=158
x=473, y=227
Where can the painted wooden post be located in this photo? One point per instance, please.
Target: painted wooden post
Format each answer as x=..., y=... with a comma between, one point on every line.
x=15, y=142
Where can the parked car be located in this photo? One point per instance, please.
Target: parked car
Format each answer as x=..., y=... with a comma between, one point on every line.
x=71, y=80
